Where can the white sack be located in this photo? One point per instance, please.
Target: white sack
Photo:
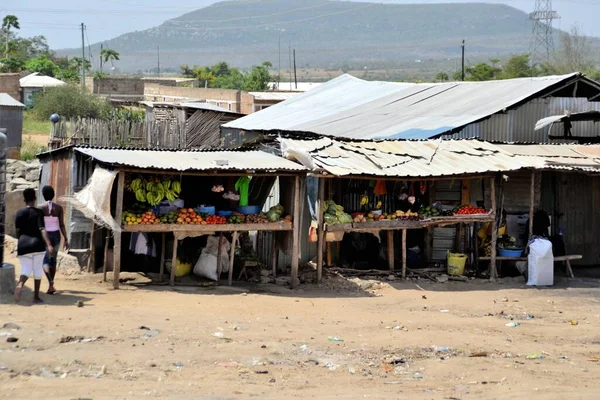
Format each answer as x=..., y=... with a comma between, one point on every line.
x=206, y=266
x=541, y=263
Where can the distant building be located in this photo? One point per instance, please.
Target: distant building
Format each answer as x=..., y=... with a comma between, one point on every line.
x=11, y=119
x=36, y=83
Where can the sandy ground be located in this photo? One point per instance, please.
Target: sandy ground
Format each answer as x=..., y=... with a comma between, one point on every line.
x=271, y=342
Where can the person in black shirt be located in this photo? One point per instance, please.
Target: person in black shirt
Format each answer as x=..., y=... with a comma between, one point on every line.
x=31, y=245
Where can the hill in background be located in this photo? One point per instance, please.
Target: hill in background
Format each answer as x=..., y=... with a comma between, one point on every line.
x=326, y=34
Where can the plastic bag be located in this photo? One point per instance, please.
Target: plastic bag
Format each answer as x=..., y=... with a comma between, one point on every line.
x=541, y=263
x=206, y=266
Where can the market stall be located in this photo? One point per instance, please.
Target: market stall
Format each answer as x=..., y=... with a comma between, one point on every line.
x=375, y=187
x=190, y=194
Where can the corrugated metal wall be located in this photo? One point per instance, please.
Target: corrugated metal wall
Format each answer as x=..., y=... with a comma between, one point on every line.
x=518, y=125
x=11, y=118
x=577, y=197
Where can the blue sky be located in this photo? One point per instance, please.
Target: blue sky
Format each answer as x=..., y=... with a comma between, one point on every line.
x=59, y=20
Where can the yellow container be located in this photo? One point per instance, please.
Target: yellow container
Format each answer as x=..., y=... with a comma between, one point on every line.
x=456, y=263
x=181, y=269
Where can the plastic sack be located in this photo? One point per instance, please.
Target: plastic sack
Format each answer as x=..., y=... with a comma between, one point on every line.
x=206, y=266
x=541, y=263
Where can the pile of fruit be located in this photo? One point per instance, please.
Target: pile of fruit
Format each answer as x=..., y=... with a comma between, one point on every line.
x=236, y=218
x=469, y=210
x=216, y=220
x=153, y=190
x=189, y=216
x=428, y=212
x=407, y=215
x=147, y=218
x=398, y=215
x=359, y=218
x=256, y=219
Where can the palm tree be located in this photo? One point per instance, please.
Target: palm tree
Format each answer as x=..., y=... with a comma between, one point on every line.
x=9, y=22
x=109, y=54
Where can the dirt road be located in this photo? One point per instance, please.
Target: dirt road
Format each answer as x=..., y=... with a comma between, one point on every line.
x=271, y=342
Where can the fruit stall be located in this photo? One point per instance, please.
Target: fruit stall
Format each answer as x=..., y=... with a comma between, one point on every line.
x=191, y=194
x=386, y=187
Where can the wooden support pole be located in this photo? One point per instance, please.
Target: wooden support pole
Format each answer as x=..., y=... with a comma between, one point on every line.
x=390, y=249
x=493, y=271
x=162, y=257
x=232, y=258
x=532, y=202
x=320, y=230
x=91, y=265
x=174, y=260
x=403, y=253
x=219, y=255
x=274, y=254
x=105, y=263
x=117, y=234
x=296, y=233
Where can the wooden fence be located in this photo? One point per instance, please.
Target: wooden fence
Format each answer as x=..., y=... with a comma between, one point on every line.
x=155, y=134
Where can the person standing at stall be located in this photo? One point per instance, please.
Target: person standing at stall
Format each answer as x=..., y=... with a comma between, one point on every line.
x=55, y=225
x=32, y=243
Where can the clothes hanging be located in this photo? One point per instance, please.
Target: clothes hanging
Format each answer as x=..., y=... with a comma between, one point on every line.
x=242, y=186
x=141, y=244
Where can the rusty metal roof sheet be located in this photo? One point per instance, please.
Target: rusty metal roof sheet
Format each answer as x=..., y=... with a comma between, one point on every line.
x=180, y=160
x=410, y=159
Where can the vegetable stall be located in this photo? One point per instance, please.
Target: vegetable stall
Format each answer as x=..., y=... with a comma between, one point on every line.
x=380, y=187
x=190, y=194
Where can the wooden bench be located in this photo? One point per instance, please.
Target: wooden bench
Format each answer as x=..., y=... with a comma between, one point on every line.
x=566, y=259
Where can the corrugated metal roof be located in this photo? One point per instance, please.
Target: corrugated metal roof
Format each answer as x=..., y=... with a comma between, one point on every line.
x=192, y=160
x=196, y=105
x=352, y=108
x=7, y=101
x=409, y=159
x=559, y=156
x=36, y=80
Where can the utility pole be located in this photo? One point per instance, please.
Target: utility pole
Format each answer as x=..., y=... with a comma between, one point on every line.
x=82, y=56
x=158, y=59
x=462, y=68
x=542, y=40
x=279, y=66
x=295, y=76
x=290, y=65
x=101, y=47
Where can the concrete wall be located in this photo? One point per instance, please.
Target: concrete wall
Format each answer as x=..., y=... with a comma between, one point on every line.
x=121, y=86
x=233, y=100
x=9, y=83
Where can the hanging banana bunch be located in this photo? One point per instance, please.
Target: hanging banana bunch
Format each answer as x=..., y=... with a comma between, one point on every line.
x=153, y=191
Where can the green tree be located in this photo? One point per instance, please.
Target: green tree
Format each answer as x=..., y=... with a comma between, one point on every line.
x=258, y=78
x=9, y=22
x=11, y=65
x=518, y=66
x=70, y=101
x=68, y=75
x=482, y=72
x=574, y=53
x=77, y=62
x=43, y=65
x=442, y=77
x=233, y=80
x=186, y=71
x=109, y=55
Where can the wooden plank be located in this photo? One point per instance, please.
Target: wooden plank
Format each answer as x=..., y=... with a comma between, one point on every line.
x=105, y=262
x=274, y=255
x=556, y=259
x=532, y=202
x=232, y=258
x=219, y=254
x=465, y=194
x=390, y=249
x=91, y=266
x=162, y=256
x=296, y=233
x=403, y=253
x=493, y=271
x=272, y=226
x=174, y=261
x=320, y=230
x=117, y=234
